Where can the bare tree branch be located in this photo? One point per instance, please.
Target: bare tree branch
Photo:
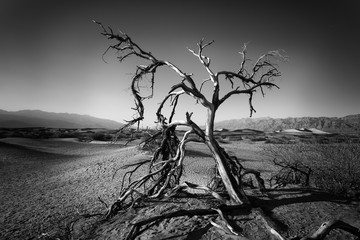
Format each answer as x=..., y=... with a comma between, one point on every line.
x=203, y=59
x=128, y=47
x=244, y=59
x=202, y=84
x=245, y=91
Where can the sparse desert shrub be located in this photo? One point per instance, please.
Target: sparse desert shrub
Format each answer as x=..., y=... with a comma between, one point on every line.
x=66, y=135
x=338, y=168
x=102, y=136
x=235, y=138
x=121, y=135
x=293, y=162
x=276, y=140
x=3, y=135
x=18, y=134
x=84, y=137
x=331, y=167
x=138, y=135
x=258, y=138
x=45, y=134
x=323, y=140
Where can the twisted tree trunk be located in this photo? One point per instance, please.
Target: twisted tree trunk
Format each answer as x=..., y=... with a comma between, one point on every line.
x=234, y=189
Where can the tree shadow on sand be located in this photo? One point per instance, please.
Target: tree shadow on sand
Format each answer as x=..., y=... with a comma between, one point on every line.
x=281, y=197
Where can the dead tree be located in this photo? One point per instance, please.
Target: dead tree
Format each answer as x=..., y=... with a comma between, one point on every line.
x=166, y=165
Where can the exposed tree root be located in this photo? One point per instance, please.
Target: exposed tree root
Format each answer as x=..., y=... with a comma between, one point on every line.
x=228, y=228
x=136, y=228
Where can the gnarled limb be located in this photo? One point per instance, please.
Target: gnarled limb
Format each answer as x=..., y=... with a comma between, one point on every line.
x=185, y=185
x=127, y=47
x=326, y=227
x=165, y=168
x=136, y=228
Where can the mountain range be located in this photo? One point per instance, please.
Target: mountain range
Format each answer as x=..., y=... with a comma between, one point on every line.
x=37, y=118
x=347, y=124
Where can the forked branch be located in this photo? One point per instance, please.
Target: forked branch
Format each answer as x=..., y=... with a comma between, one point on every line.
x=126, y=47
x=203, y=59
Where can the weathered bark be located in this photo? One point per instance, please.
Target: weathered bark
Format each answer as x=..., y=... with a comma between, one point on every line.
x=235, y=191
x=326, y=227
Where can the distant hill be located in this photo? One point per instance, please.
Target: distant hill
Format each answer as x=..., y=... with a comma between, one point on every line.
x=37, y=118
x=347, y=124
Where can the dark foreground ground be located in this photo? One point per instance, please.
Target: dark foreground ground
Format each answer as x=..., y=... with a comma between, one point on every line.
x=45, y=184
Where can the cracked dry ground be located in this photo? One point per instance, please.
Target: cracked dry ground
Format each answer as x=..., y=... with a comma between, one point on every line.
x=45, y=183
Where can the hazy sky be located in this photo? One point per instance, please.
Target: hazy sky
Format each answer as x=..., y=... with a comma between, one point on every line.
x=51, y=54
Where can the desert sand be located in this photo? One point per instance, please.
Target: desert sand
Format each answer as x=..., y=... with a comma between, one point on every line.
x=46, y=184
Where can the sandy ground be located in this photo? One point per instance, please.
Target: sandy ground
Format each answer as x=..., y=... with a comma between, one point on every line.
x=45, y=183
